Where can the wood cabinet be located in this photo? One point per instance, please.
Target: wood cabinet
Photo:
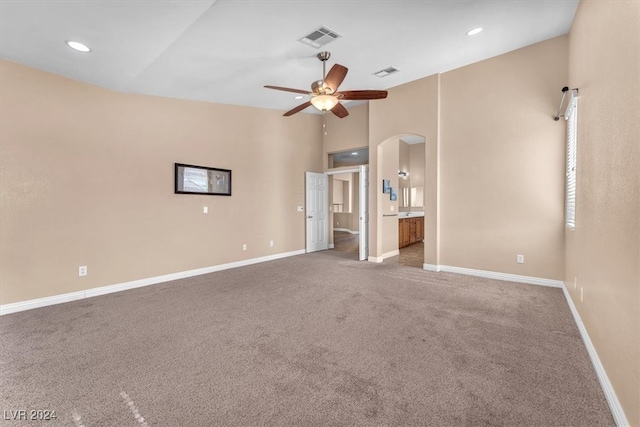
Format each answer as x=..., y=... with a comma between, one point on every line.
x=403, y=233
x=419, y=229
x=410, y=230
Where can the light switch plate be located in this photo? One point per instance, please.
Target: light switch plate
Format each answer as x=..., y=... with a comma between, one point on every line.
x=300, y=209
x=205, y=209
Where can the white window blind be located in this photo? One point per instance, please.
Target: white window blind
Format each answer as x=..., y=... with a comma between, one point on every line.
x=571, y=115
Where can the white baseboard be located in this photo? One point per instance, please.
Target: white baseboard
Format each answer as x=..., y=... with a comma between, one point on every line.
x=614, y=404
x=384, y=256
x=431, y=267
x=495, y=275
x=58, y=299
x=40, y=302
x=346, y=230
x=332, y=246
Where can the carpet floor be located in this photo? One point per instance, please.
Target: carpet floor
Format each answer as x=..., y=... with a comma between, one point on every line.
x=315, y=339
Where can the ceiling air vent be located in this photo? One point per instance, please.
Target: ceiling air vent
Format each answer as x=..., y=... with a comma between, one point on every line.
x=386, y=72
x=320, y=37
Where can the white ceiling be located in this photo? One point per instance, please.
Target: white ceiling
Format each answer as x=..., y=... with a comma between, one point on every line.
x=225, y=51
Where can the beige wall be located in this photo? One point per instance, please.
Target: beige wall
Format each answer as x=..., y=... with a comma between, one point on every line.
x=87, y=179
x=502, y=160
x=338, y=194
x=603, y=253
x=341, y=220
x=350, y=220
x=410, y=109
x=347, y=133
x=388, y=159
x=493, y=160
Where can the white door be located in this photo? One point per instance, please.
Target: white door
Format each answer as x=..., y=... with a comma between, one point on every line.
x=364, y=213
x=317, y=211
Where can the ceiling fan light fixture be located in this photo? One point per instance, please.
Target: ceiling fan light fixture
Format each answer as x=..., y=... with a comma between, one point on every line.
x=324, y=102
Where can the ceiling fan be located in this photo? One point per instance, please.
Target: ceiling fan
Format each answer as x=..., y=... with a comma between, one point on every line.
x=324, y=93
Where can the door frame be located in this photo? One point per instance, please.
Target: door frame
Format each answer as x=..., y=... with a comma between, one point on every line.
x=364, y=234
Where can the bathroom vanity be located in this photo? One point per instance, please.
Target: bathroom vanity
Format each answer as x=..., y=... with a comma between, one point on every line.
x=410, y=229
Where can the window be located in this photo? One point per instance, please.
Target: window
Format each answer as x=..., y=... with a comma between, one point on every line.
x=571, y=115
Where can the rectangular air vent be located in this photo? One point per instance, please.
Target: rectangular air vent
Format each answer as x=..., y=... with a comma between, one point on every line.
x=386, y=72
x=320, y=37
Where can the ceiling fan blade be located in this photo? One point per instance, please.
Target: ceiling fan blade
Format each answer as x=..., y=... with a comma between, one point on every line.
x=336, y=75
x=362, y=94
x=298, y=108
x=288, y=89
x=340, y=111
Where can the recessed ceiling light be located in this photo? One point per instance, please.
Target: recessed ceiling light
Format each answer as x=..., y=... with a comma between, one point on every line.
x=77, y=46
x=474, y=31
x=298, y=97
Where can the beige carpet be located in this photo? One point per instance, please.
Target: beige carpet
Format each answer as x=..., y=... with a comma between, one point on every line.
x=309, y=340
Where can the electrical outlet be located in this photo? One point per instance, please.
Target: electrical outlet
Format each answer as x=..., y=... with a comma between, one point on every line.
x=244, y=247
x=82, y=270
x=393, y=208
x=205, y=209
x=337, y=222
x=581, y=294
x=520, y=259
x=271, y=243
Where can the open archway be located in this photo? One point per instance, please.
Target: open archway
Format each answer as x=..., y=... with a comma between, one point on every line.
x=395, y=157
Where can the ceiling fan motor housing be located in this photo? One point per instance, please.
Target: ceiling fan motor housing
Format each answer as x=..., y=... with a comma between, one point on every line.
x=319, y=88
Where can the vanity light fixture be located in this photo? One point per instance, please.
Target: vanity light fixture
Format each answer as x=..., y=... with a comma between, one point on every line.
x=80, y=47
x=354, y=153
x=474, y=31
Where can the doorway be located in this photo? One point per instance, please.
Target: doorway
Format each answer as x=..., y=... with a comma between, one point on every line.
x=350, y=211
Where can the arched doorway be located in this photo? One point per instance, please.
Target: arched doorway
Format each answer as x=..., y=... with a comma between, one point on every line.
x=399, y=210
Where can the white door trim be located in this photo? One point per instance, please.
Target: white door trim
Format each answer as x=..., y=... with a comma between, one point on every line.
x=363, y=232
x=363, y=213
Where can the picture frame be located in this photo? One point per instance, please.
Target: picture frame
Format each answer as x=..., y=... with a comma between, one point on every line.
x=192, y=179
x=394, y=194
x=386, y=186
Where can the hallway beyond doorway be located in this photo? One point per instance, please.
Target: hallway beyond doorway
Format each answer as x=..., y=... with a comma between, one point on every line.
x=410, y=256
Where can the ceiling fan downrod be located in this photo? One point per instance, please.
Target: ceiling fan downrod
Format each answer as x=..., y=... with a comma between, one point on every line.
x=324, y=56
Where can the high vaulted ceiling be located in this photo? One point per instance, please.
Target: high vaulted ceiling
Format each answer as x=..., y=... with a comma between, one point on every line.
x=225, y=51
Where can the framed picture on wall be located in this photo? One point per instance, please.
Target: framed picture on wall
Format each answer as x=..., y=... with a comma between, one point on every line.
x=386, y=186
x=191, y=179
x=394, y=194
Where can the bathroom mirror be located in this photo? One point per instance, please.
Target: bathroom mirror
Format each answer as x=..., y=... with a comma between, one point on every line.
x=404, y=200
x=417, y=197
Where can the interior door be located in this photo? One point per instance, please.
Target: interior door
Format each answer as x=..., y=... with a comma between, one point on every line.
x=364, y=213
x=317, y=207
